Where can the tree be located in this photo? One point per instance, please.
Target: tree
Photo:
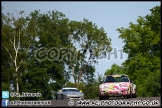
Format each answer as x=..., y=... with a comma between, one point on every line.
x=36, y=61
x=115, y=69
x=89, y=75
x=46, y=73
x=6, y=71
x=16, y=42
x=69, y=84
x=89, y=41
x=143, y=46
x=100, y=78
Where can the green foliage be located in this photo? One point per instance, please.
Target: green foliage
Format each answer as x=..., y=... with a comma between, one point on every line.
x=70, y=84
x=5, y=86
x=47, y=75
x=91, y=92
x=15, y=44
x=115, y=69
x=153, y=85
x=89, y=41
x=33, y=76
x=143, y=46
x=90, y=89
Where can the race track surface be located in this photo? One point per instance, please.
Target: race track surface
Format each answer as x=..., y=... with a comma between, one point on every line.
x=112, y=102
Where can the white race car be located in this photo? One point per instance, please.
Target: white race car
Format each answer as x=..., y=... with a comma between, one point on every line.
x=69, y=93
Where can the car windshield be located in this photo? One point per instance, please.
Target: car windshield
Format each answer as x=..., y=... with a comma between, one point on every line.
x=70, y=90
x=117, y=79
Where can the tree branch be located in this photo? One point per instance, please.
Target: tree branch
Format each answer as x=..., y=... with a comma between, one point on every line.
x=19, y=40
x=28, y=48
x=14, y=42
x=11, y=42
x=8, y=52
x=19, y=65
x=81, y=70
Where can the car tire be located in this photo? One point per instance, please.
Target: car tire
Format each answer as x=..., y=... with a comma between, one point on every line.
x=107, y=97
x=103, y=97
x=62, y=96
x=56, y=97
x=130, y=95
x=135, y=95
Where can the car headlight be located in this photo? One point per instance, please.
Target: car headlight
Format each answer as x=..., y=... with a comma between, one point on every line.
x=81, y=94
x=67, y=94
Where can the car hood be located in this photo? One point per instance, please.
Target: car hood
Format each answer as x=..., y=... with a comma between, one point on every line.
x=114, y=86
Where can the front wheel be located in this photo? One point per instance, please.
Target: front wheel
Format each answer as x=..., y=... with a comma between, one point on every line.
x=130, y=95
x=135, y=94
x=103, y=97
x=62, y=96
x=56, y=97
x=100, y=97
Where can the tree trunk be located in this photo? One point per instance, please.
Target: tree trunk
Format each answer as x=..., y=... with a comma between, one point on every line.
x=17, y=87
x=17, y=84
x=75, y=81
x=76, y=85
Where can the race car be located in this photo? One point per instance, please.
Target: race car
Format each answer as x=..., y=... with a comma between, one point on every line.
x=117, y=85
x=69, y=93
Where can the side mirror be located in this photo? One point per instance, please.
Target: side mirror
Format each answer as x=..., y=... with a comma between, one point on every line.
x=80, y=90
x=131, y=81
